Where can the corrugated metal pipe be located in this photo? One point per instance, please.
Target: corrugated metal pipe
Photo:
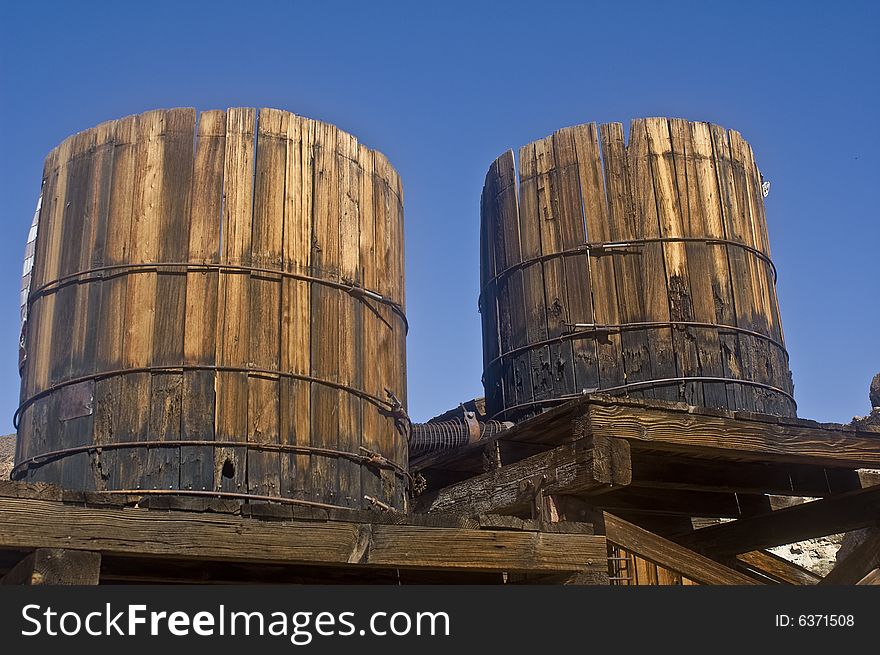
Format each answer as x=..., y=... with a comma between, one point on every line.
x=446, y=435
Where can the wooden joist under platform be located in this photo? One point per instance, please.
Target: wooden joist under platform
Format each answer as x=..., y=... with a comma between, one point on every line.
x=665, y=466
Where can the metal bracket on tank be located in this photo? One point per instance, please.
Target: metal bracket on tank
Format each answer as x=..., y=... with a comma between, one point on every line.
x=473, y=425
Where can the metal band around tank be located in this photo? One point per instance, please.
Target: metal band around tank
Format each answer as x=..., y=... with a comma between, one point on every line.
x=647, y=384
x=366, y=457
x=392, y=408
x=120, y=269
x=612, y=247
x=622, y=327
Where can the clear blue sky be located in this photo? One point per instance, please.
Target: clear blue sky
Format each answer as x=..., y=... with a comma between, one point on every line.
x=443, y=88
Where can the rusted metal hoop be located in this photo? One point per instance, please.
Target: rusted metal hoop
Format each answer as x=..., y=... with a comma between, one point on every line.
x=619, y=247
x=353, y=289
x=367, y=457
x=384, y=405
x=647, y=384
x=622, y=327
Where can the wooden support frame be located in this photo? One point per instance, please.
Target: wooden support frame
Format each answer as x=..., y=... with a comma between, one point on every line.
x=777, y=568
x=27, y=523
x=670, y=555
x=585, y=467
x=840, y=513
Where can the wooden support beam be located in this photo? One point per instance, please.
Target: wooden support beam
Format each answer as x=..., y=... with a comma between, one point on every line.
x=684, y=430
x=777, y=568
x=670, y=555
x=670, y=502
x=151, y=534
x=873, y=578
x=56, y=566
x=840, y=513
x=654, y=470
x=856, y=565
x=738, y=439
x=588, y=466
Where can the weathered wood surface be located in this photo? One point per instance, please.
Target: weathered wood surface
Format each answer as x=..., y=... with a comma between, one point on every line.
x=857, y=564
x=840, y=513
x=251, y=195
x=55, y=566
x=815, y=457
x=585, y=467
x=777, y=568
x=150, y=534
x=683, y=204
x=670, y=555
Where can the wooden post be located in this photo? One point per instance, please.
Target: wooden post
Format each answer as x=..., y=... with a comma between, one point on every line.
x=56, y=566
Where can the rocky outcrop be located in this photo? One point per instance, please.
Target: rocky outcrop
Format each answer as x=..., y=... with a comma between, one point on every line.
x=7, y=454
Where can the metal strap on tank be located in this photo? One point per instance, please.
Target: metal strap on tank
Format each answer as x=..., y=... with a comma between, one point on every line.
x=391, y=408
x=581, y=329
x=225, y=494
x=611, y=247
x=366, y=457
x=119, y=269
x=647, y=384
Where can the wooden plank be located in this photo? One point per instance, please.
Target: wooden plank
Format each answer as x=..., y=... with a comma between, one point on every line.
x=140, y=296
x=840, y=513
x=111, y=319
x=857, y=564
x=372, y=422
x=777, y=568
x=533, y=276
x=661, y=471
x=389, y=352
x=488, y=300
x=593, y=364
x=732, y=439
x=72, y=304
x=670, y=503
x=669, y=214
x=501, y=208
x=325, y=311
x=295, y=415
x=706, y=211
x=693, y=224
x=233, y=309
x=628, y=270
x=557, y=309
x=264, y=468
x=162, y=468
x=200, y=328
x=348, y=482
x=741, y=280
x=205, y=536
x=56, y=566
x=587, y=467
x=660, y=340
x=447, y=549
x=671, y=555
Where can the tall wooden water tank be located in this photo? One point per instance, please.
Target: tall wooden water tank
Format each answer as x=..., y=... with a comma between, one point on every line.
x=217, y=305
x=638, y=268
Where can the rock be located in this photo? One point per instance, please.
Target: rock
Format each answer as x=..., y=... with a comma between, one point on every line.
x=874, y=393
x=7, y=454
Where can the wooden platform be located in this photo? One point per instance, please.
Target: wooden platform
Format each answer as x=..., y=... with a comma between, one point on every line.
x=601, y=490
x=171, y=539
x=648, y=469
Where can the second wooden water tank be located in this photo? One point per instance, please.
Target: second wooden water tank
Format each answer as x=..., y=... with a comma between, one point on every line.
x=638, y=268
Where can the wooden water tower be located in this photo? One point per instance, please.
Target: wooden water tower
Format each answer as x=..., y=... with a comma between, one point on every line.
x=217, y=305
x=638, y=268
